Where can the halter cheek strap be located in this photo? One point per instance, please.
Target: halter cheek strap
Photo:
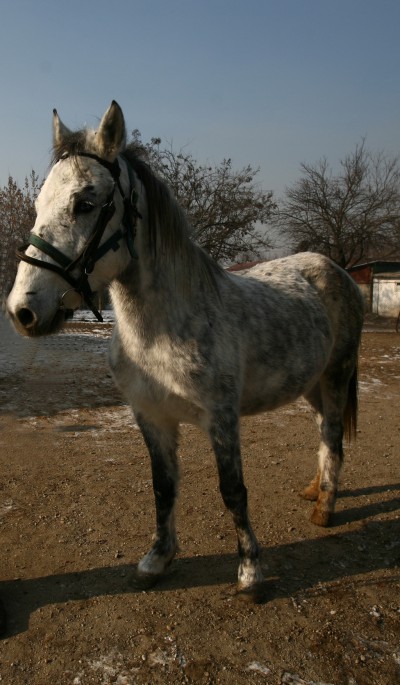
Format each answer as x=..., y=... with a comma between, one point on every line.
x=131, y=213
x=91, y=252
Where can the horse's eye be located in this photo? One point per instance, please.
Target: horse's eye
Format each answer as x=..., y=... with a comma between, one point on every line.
x=83, y=207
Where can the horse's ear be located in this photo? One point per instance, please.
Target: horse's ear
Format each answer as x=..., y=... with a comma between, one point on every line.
x=111, y=135
x=60, y=132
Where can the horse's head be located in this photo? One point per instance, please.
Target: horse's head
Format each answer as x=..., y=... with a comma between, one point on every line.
x=80, y=239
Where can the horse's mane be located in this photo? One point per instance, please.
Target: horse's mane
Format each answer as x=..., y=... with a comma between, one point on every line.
x=169, y=232
x=169, y=229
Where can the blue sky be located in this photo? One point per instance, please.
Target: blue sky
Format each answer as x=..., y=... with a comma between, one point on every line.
x=272, y=83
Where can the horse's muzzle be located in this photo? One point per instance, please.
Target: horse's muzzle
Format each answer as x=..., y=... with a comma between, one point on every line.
x=27, y=322
x=26, y=318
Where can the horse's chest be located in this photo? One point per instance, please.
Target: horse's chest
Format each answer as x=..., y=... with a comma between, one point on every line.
x=156, y=379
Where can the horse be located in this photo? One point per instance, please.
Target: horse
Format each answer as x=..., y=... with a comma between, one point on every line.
x=193, y=343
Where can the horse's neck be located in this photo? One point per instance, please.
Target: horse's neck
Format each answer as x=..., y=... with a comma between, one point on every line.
x=167, y=281
x=147, y=303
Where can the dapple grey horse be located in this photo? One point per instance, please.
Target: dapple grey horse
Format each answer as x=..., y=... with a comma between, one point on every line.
x=192, y=342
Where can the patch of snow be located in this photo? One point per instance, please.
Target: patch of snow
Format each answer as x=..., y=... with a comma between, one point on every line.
x=294, y=679
x=256, y=666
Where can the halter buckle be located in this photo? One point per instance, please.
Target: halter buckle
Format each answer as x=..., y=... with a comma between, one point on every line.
x=71, y=299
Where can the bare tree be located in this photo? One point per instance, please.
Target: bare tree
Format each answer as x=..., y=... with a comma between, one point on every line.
x=351, y=216
x=228, y=210
x=17, y=216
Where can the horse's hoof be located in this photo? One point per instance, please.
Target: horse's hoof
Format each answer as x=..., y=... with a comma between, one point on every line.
x=144, y=581
x=321, y=518
x=309, y=493
x=254, y=594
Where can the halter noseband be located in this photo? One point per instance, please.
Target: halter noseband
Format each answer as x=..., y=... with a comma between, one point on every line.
x=91, y=252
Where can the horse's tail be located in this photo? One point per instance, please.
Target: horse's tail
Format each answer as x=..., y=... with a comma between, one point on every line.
x=351, y=408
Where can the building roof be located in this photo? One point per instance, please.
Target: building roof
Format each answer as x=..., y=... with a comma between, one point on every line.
x=377, y=266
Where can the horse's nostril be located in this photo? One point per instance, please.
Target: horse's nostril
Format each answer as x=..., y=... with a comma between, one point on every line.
x=26, y=317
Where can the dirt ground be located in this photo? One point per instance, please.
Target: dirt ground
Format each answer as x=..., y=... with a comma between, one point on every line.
x=76, y=513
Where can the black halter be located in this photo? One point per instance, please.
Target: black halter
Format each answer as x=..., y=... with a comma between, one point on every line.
x=91, y=252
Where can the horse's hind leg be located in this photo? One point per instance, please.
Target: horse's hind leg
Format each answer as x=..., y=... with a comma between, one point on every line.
x=330, y=463
x=329, y=399
x=162, y=446
x=224, y=433
x=314, y=397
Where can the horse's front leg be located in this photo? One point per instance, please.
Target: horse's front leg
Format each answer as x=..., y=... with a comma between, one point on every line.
x=224, y=433
x=162, y=446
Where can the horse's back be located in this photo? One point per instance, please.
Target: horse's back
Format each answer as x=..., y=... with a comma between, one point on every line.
x=300, y=314
x=312, y=280
x=341, y=298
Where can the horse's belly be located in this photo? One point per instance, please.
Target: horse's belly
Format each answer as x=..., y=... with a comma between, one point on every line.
x=267, y=398
x=266, y=388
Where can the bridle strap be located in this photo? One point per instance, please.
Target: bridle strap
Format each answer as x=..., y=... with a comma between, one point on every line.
x=113, y=167
x=80, y=285
x=87, y=257
x=48, y=249
x=131, y=213
x=91, y=252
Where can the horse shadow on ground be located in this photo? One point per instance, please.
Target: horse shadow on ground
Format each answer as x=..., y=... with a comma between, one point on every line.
x=290, y=569
x=370, y=509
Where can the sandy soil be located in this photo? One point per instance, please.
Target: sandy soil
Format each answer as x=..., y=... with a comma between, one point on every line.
x=76, y=513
